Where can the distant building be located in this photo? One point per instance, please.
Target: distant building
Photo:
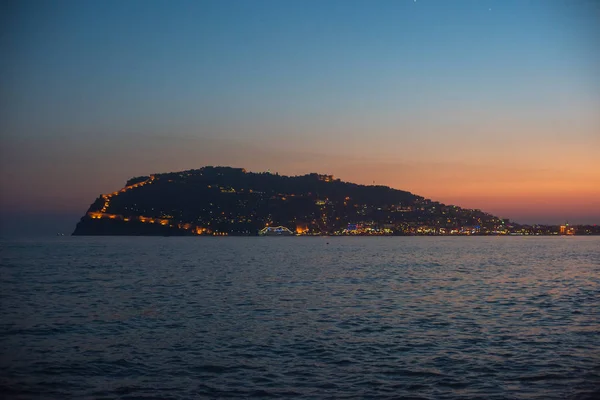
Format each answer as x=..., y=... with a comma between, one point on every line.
x=301, y=228
x=275, y=231
x=322, y=177
x=567, y=230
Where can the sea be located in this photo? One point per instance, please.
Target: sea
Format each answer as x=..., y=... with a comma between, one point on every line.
x=300, y=317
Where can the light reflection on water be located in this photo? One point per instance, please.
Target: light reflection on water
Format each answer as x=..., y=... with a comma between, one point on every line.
x=312, y=317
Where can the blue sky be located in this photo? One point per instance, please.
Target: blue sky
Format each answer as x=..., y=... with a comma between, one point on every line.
x=95, y=92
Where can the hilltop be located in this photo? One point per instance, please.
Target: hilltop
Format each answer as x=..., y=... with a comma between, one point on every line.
x=232, y=201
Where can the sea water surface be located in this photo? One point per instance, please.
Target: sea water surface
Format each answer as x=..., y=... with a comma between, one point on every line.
x=391, y=317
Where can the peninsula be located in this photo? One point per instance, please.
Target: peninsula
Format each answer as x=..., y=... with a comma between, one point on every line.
x=226, y=201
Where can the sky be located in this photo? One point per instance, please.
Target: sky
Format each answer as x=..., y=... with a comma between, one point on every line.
x=488, y=104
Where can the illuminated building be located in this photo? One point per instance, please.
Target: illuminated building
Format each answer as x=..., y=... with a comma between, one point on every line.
x=275, y=231
x=301, y=228
x=566, y=229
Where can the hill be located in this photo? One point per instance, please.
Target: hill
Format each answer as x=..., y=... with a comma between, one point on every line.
x=232, y=201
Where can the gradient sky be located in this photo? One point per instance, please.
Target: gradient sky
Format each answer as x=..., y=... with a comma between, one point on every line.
x=490, y=104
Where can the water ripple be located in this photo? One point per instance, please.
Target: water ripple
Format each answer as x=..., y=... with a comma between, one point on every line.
x=411, y=318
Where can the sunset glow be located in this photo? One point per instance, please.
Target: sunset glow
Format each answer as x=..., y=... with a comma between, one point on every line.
x=490, y=105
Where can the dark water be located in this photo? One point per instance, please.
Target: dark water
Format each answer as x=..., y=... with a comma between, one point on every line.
x=426, y=318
